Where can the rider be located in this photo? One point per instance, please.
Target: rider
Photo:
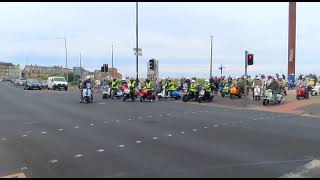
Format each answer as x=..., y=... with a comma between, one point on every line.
x=193, y=88
x=114, y=86
x=164, y=85
x=207, y=88
x=282, y=85
x=171, y=87
x=149, y=87
x=133, y=84
x=84, y=85
x=303, y=82
x=273, y=86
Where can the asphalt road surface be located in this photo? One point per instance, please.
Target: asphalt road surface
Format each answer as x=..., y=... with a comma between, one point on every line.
x=50, y=134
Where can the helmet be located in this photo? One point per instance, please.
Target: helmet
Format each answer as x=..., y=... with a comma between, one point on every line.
x=258, y=78
x=114, y=79
x=302, y=77
x=207, y=80
x=187, y=78
x=88, y=77
x=193, y=81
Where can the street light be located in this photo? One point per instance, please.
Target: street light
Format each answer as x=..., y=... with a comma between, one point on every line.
x=65, y=46
x=211, y=59
x=137, y=55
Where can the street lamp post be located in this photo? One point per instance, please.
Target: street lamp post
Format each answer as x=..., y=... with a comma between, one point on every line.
x=137, y=56
x=211, y=59
x=65, y=46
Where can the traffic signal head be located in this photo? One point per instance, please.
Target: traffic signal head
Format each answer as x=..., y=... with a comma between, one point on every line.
x=250, y=59
x=151, y=64
x=106, y=67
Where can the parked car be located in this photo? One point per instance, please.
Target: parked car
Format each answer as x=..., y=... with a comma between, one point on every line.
x=32, y=84
x=57, y=83
x=22, y=82
x=44, y=84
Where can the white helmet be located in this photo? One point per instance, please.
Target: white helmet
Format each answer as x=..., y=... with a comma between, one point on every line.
x=207, y=80
x=193, y=81
x=187, y=78
x=88, y=77
x=258, y=78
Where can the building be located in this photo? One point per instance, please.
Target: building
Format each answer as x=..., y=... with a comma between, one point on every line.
x=9, y=71
x=34, y=71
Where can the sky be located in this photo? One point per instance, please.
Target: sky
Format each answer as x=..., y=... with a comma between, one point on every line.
x=177, y=34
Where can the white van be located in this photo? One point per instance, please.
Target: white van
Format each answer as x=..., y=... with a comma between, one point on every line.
x=57, y=83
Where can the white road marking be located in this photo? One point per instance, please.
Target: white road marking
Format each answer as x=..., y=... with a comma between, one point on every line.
x=121, y=146
x=101, y=103
x=43, y=132
x=168, y=114
x=91, y=124
x=76, y=127
x=160, y=115
x=182, y=132
x=150, y=116
x=205, y=127
x=193, y=112
x=117, y=121
x=194, y=129
x=155, y=138
x=170, y=135
x=215, y=125
x=138, y=142
x=24, y=135
x=24, y=168
x=3, y=139
x=78, y=155
x=105, y=122
x=100, y=150
x=60, y=129
x=53, y=161
x=129, y=119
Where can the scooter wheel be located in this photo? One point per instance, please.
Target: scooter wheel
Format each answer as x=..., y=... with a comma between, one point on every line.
x=265, y=102
x=222, y=95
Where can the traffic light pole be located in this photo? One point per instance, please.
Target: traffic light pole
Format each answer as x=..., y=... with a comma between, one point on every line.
x=245, y=74
x=137, y=45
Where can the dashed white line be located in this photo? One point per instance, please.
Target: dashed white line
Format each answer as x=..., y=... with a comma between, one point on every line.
x=168, y=114
x=194, y=130
x=105, y=122
x=169, y=135
x=53, y=161
x=60, y=129
x=129, y=119
x=160, y=115
x=182, y=132
x=78, y=155
x=24, y=135
x=24, y=168
x=100, y=150
x=150, y=116
x=3, y=139
x=138, y=142
x=43, y=132
x=155, y=138
x=76, y=127
x=215, y=125
x=205, y=127
x=91, y=124
x=121, y=146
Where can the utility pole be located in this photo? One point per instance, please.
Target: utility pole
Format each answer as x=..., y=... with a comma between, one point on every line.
x=112, y=61
x=80, y=68
x=137, y=45
x=65, y=45
x=211, y=59
x=220, y=68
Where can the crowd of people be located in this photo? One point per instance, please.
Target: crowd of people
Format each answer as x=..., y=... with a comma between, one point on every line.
x=276, y=83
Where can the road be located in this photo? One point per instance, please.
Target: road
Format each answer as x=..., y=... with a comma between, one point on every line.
x=50, y=134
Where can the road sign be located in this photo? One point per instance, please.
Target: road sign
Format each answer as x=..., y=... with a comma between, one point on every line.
x=139, y=54
x=135, y=49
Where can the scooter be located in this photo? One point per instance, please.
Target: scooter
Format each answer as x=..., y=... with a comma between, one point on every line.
x=316, y=90
x=203, y=97
x=162, y=95
x=188, y=95
x=116, y=94
x=87, y=94
x=144, y=95
x=257, y=93
x=272, y=98
x=129, y=94
x=225, y=90
x=107, y=92
x=234, y=91
x=302, y=92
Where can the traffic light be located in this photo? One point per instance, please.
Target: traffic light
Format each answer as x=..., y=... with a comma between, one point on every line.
x=250, y=59
x=106, y=67
x=151, y=64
